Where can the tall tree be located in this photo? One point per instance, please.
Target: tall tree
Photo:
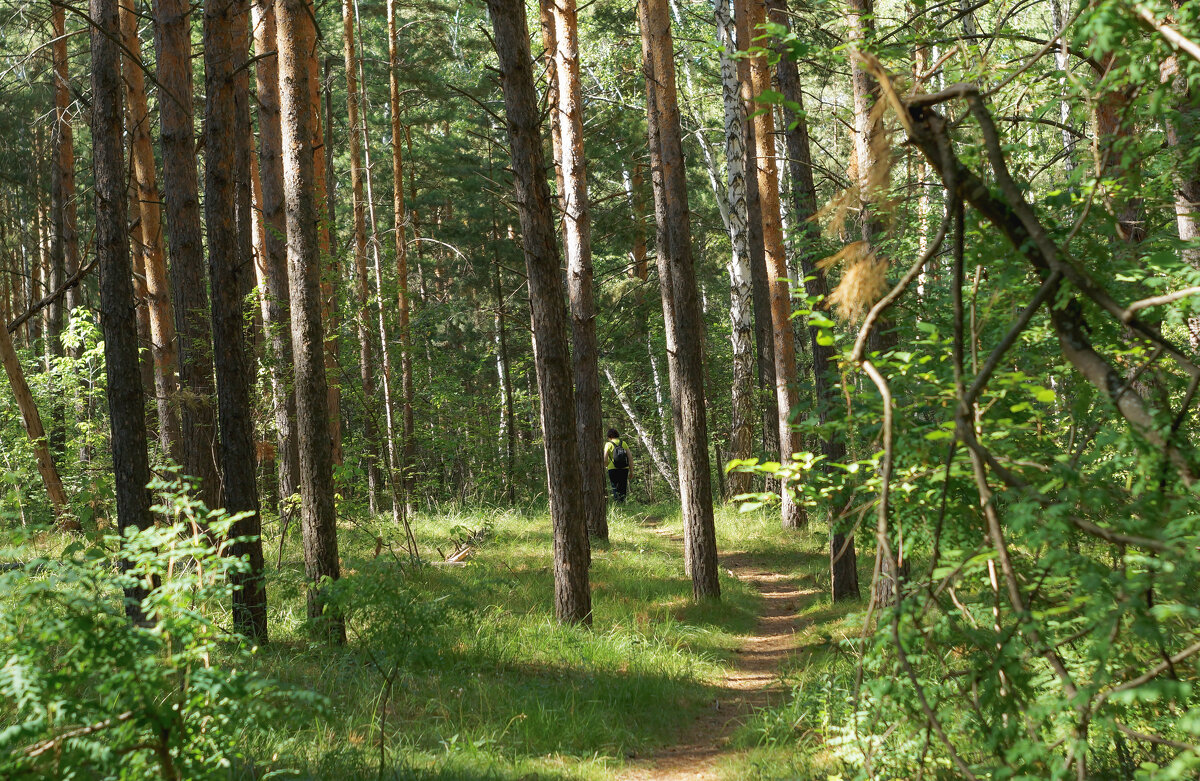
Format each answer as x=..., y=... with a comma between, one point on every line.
x=362, y=286
x=577, y=240
x=764, y=339
x=64, y=247
x=741, y=283
x=127, y=413
x=786, y=396
x=680, y=296
x=189, y=288
x=158, y=297
x=296, y=35
x=572, y=594
x=227, y=145
x=276, y=308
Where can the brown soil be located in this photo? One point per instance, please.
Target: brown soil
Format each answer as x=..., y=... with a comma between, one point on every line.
x=752, y=683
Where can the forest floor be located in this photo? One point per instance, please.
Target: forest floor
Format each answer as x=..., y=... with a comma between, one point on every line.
x=754, y=681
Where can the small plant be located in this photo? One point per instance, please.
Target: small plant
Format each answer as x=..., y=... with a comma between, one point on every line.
x=86, y=693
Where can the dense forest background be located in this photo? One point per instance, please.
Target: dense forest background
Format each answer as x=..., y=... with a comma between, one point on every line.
x=894, y=297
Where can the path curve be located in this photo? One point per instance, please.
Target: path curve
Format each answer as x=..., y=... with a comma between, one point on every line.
x=752, y=683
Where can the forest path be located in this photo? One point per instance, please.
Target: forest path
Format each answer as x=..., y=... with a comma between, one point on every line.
x=752, y=683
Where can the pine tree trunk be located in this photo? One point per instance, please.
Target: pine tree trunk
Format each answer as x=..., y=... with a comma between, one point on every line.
x=362, y=286
x=786, y=397
x=681, y=304
x=741, y=285
x=189, y=286
x=158, y=297
x=408, y=443
x=572, y=595
x=65, y=249
x=276, y=308
x=227, y=154
x=577, y=240
x=296, y=41
x=127, y=413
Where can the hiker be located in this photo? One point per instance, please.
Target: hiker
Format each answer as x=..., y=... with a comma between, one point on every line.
x=616, y=454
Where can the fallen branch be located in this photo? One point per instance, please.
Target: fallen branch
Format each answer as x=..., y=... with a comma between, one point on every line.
x=75, y=279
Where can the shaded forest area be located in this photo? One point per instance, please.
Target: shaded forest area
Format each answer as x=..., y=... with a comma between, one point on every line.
x=318, y=315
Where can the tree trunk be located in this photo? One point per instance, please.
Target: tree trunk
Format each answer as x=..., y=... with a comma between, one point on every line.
x=572, y=595
x=577, y=240
x=127, y=413
x=276, y=308
x=227, y=154
x=362, y=284
x=786, y=397
x=158, y=298
x=296, y=42
x=681, y=304
x=408, y=444
x=189, y=288
x=741, y=285
x=63, y=209
x=37, y=435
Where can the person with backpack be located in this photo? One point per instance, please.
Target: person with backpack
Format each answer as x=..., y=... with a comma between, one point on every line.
x=616, y=454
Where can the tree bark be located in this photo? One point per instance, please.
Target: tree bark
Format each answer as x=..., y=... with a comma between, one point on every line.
x=276, y=308
x=189, y=288
x=65, y=249
x=572, y=595
x=127, y=413
x=227, y=150
x=764, y=339
x=741, y=284
x=362, y=286
x=296, y=46
x=786, y=397
x=158, y=297
x=681, y=303
x=577, y=240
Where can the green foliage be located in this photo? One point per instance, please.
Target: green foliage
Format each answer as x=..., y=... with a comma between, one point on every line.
x=88, y=693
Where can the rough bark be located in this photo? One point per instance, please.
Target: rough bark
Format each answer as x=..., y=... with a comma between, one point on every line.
x=362, y=286
x=741, y=284
x=65, y=249
x=681, y=300
x=296, y=45
x=572, y=595
x=227, y=152
x=158, y=296
x=276, y=309
x=189, y=288
x=577, y=241
x=127, y=413
x=786, y=397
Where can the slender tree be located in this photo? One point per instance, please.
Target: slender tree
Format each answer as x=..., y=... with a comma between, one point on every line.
x=577, y=240
x=227, y=145
x=572, y=594
x=189, y=288
x=296, y=37
x=680, y=297
x=741, y=283
x=362, y=286
x=276, y=308
x=161, y=315
x=64, y=247
x=786, y=396
x=127, y=413
x=401, y=218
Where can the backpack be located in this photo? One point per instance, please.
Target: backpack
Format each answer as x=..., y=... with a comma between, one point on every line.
x=620, y=455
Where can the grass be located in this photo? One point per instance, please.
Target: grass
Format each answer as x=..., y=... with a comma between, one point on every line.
x=501, y=691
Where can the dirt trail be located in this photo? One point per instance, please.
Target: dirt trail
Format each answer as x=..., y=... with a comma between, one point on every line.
x=752, y=683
